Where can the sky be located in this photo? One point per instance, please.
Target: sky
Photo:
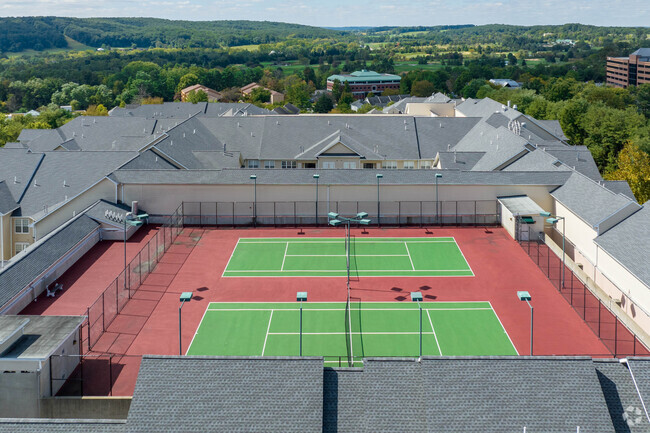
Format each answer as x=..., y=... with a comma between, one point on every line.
x=346, y=13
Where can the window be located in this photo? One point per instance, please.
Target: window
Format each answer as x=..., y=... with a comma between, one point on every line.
x=409, y=164
x=349, y=164
x=22, y=225
x=269, y=164
x=425, y=164
x=253, y=163
x=389, y=164
x=368, y=165
x=309, y=165
x=329, y=164
x=21, y=246
x=288, y=164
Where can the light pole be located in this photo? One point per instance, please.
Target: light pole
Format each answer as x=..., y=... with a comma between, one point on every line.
x=553, y=219
x=185, y=296
x=301, y=296
x=254, y=177
x=379, y=176
x=438, y=176
x=316, y=176
x=336, y=220
x=525, y=296
x=417, y=297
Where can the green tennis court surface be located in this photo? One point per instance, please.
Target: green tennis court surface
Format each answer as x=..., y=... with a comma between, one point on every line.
x=326, y=257
x=372, y=329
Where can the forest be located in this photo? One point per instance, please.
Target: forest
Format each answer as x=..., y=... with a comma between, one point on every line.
x=561, y=69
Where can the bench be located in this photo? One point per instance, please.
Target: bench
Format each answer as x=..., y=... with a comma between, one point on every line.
x=51, y=291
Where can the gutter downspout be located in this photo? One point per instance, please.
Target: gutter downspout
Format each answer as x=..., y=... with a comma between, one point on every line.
x=2, y=240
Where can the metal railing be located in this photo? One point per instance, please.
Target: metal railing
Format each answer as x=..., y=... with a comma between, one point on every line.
x=298, y=213
x=110, y=303
x=614, y=334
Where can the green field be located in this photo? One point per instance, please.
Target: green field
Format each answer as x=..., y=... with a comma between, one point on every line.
x=377, y=329
x=326, y=257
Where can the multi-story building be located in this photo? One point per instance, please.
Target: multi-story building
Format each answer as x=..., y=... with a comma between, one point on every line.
x=364, y=82
x=629, y=71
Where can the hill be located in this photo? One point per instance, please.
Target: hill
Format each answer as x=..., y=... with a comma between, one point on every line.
x=41, y=33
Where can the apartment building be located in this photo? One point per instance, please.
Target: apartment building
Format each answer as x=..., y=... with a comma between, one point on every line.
x=364, y=82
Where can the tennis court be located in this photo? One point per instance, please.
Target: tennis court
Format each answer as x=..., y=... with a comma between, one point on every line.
x=345, y=336
x=327, y=257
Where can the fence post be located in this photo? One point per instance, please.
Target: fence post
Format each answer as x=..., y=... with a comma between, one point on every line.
x=216, y=215
x=200, y=214
x=420, y=213
x=599, y=305
x=584, y=302
x=88, y=320
x=103, y=315
x=233, y=214
x=615, y=336
x=51, y=378
x=110, y=375
x=275, y=223
x=140, y=265
x=117, y=299
x=295, y=218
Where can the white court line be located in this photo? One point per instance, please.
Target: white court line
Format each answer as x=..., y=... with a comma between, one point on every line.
x=285, y=256
x=504, y=329
x=434, y=333
x=267, y=332
x=343, y=309
x=354, y=333
x=409, y=253
x=197, y=328
x=464, y=258
x=365, y=241
x=343, y=255
x=231, y=254
x=364, y=270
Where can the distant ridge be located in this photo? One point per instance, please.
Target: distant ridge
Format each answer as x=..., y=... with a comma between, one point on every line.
x=41, y=33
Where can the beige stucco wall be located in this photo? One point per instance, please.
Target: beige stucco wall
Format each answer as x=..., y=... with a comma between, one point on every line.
x=580, y=233
x=19, y=237
x=164, y=199
x=426, y=109
x=6, y=228
x=105, y=189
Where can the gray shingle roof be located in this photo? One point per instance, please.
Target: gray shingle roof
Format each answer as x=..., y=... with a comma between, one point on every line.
x=628, y=243
x=621, y=396
x=7, y=201
x=45, y=425
x=148, y=160
x=29, y=265
x=620, y=187
x=198, y=394
x=589, y=200
x=459, y=160
x=17, y=168
x=484, y=108
x=579, y=158
x=79, y=171
x=640, y=370
x=343, y=400
x=183, y=110
x=508, y=394
x=537, y=160
x=336, y=177
x=500, y=146
x=98, y=212
x=437, y=134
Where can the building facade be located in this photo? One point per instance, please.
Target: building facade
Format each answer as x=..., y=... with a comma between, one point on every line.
x=629, y=71
x=364, y=82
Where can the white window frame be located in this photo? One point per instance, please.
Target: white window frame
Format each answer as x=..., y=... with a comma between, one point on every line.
x=253, y=163
x=426, y=164
x=287, y=165
x=411, y=165
x=350, y=165
x=23, y=224
x=269, y=164
x=389, y=165
x=19, y=247
x=328, y=165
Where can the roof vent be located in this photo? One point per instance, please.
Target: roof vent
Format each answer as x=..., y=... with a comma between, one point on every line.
x=238, y=125
x=252, y=134
x=94, y=120
x=277, y=122
x=514, y=107
x=441, y=124
x=183, y=135
x=65, y=198
x=347, y=126
x=45, y=208
x=74, y=134
x=65, y=185
x=448, y=147
x=36, y=185
x=194, y=131
x=113, y=145
x=404, y=121
x=156, y=159
x=15, y=179
x=405, y=128
x=328, y=122
x=171, y=142
x=144, y=130
x=302, y=149
x=455, y=160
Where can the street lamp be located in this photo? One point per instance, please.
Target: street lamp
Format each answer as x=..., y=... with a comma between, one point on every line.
x=438, y=176
x=301, y=296
x=525, y=296
x=254, y=177
x=336, y=220
x=379, y=176
x=417, y=297
x=553, y=219
x=316, y=176
x=185, y=297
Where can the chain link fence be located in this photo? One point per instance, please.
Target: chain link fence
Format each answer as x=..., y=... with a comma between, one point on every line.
x=110, y=303
x=299, y=213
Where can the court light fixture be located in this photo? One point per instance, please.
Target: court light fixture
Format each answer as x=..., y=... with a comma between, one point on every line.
x=316, y=176
x=301, y=296
x=362, y=215
x=336, y=223
x=185, y=297
x=333, y=215
x=545, y=214
x=253, y=176
x=365, y=222
x=416, y=296
x=525, y=296
x=552, y=220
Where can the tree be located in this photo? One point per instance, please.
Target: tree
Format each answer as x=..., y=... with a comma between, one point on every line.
x=337, y=89
x=469, y=91
x=422, y=88
x=196, y=96
x=324, y=104
x=309, y=74
x=512, y=60
x=634, y=167
x=187, y=80
x=259, y=95
x=96, y=110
